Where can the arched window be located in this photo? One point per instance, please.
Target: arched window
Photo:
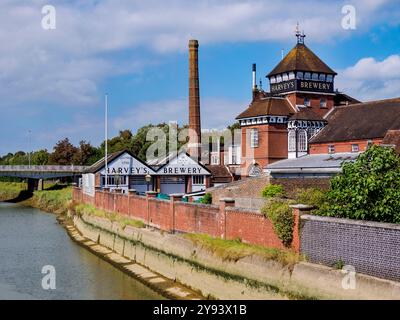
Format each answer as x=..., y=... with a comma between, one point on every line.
x=329, y=78
x=321, y=77
x=300, y=75
x=272, y=80
x=291, y=75
x=255, y=170
x=307, y=76
x=302, y=140
x=279, y=78
x=292, y=141
x=285, y=77
x=315, y=76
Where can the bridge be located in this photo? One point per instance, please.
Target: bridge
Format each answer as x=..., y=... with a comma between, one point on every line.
x=36, y=174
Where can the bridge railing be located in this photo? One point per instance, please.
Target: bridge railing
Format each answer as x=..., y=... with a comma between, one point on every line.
x=51, y=168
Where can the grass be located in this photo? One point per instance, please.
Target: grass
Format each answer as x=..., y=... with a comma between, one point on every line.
x=235, y=249
x=56, y=201
x=10, y=190
x=112, y=216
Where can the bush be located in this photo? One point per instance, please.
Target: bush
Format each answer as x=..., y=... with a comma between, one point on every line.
x=311, y=196
x=273, y=190
x=207, y=199
x=281, y=216
x=367, y=189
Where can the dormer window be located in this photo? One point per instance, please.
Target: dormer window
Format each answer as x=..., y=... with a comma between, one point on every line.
x=315, y=76
x=307, y=76
x=322, y=77
x=329, y=78
x=300, y=75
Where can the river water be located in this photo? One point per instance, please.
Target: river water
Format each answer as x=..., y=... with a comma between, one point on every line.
x=31, y=239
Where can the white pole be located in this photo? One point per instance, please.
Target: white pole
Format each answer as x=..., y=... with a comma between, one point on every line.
x=30, y=147
x=106, y=140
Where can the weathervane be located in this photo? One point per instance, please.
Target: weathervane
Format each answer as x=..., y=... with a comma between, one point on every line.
x=299, y=35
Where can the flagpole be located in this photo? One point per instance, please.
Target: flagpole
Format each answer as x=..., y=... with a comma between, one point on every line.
x=106, y=139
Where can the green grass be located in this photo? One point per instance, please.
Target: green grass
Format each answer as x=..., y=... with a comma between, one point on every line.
x=112, y=216
x=10, y=190
x=235, y=249
x=56, y=201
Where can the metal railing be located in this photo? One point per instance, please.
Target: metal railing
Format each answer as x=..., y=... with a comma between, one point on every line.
x=50, y=168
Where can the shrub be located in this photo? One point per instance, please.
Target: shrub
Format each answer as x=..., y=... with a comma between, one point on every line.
x=281, y=216
x=273, y=190
x=207, y=199
x=311, y=196
x=367, y=189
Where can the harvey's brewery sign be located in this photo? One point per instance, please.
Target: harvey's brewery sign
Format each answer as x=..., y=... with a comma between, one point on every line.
x=127, y=165
x=302, y=85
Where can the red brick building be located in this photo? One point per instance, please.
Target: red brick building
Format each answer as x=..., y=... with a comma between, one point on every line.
x=279, y=124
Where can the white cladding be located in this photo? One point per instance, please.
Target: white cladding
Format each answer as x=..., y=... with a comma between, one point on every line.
x=127, y=165
x=88, y=184
x=182, y=165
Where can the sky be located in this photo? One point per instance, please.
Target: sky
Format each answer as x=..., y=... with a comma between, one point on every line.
x=53, y=79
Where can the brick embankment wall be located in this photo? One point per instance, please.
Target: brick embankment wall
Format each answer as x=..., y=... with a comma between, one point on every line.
x=224, y=221
x=371, y=248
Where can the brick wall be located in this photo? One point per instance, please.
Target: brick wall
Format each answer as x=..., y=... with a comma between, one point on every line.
x=292, y=184
x=224, y=221
x=372, y=248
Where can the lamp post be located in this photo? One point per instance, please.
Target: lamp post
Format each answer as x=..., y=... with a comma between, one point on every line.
x=148, y=179
x=29, y=151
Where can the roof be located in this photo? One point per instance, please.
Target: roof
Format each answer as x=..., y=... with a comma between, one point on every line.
x=220, y=173
x=100, y=164
x=312, y=164
x=392, y=138
x=307, y=114
x=341, y=98
x=301, y=58
x=360, y=121
x=273, y=106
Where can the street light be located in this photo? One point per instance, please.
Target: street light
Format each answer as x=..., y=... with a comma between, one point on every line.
x=148, y=179
x=29, y=151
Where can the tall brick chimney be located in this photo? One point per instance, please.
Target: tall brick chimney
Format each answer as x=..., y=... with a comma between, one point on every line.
x=194, y=147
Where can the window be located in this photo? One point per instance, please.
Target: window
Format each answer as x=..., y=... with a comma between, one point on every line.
x=291, y=75
x=322, y=103
x=315, y=76
x=278, y=78
x=354, y=148
x=300, y=75
x=307, y=76
x=198, y=180
x=113, y=180
x=321, y=77
x=215, y=158
x=292, y=141
x=254, y=138
x=331, y=148
x=307, y=102
x=272, y=80
x=285, y=77
x=329, y=78
x=302, y=141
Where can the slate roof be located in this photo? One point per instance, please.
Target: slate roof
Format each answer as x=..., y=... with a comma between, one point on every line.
x=273, y=106
x=360, y=121
x=100, y=164
x=301, y=58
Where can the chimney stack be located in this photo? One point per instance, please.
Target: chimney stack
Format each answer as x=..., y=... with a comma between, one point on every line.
x=255, y=89
x=194, y=147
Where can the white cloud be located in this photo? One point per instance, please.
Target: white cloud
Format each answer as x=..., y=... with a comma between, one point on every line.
x=370, y=79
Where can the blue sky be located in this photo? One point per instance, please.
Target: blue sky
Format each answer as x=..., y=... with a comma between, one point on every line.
x=53, y=81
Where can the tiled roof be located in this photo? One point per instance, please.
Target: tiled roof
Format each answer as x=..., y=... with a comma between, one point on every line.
x=392, y=138
x=273, y=106
x=301, y=58
x=360, y=121
x=220, y=173
x=307, y=114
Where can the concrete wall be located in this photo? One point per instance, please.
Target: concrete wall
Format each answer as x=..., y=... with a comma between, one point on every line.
x=251, y=277
x=372, y=248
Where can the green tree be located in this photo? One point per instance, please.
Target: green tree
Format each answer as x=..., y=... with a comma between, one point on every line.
x=367, y=189
x=86, y=154
x=40, y=157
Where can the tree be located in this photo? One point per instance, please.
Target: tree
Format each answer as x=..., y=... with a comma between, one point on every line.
x=64, y=152
x=40, y=157
x=85, y=155
x=367, y=189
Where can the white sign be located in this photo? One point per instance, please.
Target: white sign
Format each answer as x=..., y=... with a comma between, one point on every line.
x=127, y=165
x=183, y=165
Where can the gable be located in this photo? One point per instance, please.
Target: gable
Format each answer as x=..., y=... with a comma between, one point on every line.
x=126, y=164
x=183, y=164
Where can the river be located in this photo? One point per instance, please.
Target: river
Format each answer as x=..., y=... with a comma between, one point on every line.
x=31, y=239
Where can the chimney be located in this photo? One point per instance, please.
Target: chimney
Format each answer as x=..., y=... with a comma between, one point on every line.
x=194, y=147
x=254, y=81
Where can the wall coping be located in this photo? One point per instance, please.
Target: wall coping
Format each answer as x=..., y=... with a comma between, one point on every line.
x=302, y=206
x=194, y=204
x=245, y=210
x=363, y=223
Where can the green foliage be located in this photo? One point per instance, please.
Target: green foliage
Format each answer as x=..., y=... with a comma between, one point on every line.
x=311, y=196
x=273, y=190
x=207, y=199
x=339, y=264
x=55, y=201
x=281, y=216
x=10, y=190
x=236, y=249
x=367, y=189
